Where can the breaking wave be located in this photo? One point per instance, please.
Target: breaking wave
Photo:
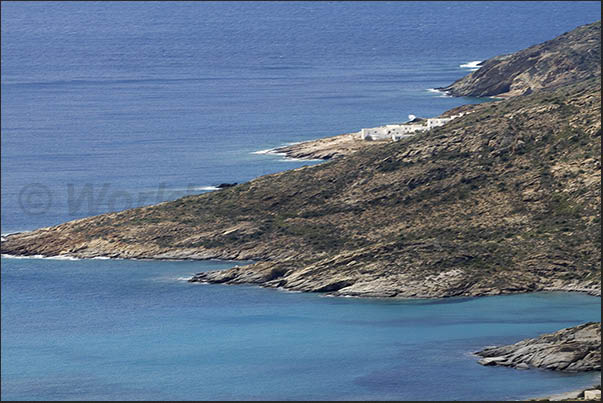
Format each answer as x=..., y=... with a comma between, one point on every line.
x=474, y=65
x=442, y=94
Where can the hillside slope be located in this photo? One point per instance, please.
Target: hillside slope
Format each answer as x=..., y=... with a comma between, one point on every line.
x=505, y=199
x=569, y=58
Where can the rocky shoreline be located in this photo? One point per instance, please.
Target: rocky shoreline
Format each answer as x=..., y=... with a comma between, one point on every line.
x=274, y=274
x=505, y=199
x=392, y=220
x=442, y=285
x=324, y=148
x=574, y=349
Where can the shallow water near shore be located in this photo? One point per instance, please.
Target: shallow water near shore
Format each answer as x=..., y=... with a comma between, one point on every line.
x=118, y=329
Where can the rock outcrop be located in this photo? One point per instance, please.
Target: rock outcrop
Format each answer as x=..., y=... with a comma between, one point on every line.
x=567, y=59
x=573, y=349
x=325, y=148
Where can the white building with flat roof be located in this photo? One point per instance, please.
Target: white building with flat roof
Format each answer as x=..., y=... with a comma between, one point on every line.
x=437, y=122
x=374, y=133
x=398, y=131
x=387, y=132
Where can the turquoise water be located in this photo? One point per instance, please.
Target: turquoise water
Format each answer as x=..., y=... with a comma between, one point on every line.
x=99, y=329
x=110, y=105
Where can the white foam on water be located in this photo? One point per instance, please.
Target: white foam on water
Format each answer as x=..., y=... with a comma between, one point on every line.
x=193, y=189
x=8, y=256
x=206, y=188
x=166, y=279
x=443, y=94
x=267, y=151
x=288, y=291
x=272, y=151
x=473, y=65
x=57, y=257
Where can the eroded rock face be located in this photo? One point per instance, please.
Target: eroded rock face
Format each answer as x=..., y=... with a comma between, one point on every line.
x=574, y=349
x=568, y=58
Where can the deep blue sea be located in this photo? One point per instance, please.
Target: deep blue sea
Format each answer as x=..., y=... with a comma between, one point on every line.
x=110, y=105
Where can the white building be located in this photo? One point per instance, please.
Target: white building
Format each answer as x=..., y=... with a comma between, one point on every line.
x=387, y=132
x=436, y=122
x=396, y=132
x=374, y=133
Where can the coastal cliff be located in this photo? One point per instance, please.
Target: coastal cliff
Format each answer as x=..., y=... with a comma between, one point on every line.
x=574, y=349
x=569, y=58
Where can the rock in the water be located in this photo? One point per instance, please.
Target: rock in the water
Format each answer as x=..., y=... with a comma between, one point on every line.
x=574, y=349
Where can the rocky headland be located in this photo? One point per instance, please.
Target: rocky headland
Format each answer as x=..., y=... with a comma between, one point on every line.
x=503, y=200
x=571, y=57
x=574, y=349
x=324, y=148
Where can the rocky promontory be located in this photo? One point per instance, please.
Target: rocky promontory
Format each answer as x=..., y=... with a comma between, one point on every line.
x=569, y=58
x=324, y=148
x=574, y=349
x=504, y=199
